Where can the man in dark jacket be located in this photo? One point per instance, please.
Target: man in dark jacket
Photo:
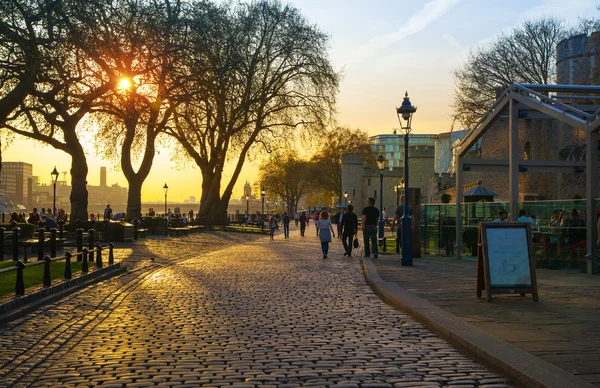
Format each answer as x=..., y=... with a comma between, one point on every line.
x=349, y=229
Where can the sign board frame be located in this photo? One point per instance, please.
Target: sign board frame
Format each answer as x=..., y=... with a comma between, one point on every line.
x=505, y=252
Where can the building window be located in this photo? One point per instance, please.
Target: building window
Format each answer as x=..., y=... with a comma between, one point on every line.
x=354, y=192
x=527, y=151
x=375, y=194
x=369, y=182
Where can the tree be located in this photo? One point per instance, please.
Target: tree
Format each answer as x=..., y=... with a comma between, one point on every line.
x=25, y=26
x=286, y=176
x=257, y=72
x=64, y=93
x=327, y=160
x=137, y=42
x=526, y=55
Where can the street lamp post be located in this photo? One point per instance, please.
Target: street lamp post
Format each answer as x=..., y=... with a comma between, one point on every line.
x=381, y=164
x=165, y=189
x=276, y=207
x=54, y=175
x=262, y=196
x=405, y=112
x=247, y=206
x=345, y=199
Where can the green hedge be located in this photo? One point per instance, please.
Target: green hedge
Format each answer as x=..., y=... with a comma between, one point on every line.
x=27, y=230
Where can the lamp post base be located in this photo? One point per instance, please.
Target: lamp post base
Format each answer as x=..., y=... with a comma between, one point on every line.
x=407, y=259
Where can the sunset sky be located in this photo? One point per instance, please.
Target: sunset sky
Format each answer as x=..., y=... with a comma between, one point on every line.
x=383, y=48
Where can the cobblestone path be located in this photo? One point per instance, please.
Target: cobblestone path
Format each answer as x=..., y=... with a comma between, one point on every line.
x=219, y=309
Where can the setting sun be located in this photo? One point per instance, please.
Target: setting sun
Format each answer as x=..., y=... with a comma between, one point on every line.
x=124, y=84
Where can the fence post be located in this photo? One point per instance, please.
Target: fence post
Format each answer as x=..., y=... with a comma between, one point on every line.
x=99, y=256
x=53, y=242
x=84, y=261
x=61, y=225
x=91, y=244
x=111, y=256
x=79, y=233
x=15, y=241
x=41, y=232
x=2, y=244
x=68, y=273
x=47, y=279
x=20, y=286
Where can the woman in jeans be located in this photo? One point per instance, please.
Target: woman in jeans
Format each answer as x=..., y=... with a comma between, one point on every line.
x=325, y=232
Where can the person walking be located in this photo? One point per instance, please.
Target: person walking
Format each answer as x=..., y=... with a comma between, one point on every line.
x=325, y=234
x=349, y=230
x=338, y=219
x=302, y=220
x=296, y=218
x=272, y=226
x=316, y=221
x=370, y=217
x=286, y=225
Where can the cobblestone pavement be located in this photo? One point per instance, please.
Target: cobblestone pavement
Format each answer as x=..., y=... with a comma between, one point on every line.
x=218, y=309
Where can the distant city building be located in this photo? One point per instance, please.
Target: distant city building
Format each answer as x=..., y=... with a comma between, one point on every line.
x=190, y=200
x=362, y=182
x=16, y=182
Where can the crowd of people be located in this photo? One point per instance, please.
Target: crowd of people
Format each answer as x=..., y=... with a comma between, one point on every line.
x=344, y=224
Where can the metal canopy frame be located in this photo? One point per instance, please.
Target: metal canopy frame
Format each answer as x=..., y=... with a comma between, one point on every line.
x=542, y=99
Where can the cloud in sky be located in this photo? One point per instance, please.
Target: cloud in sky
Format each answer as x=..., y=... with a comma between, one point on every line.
x=430, y=12
x=452, y=41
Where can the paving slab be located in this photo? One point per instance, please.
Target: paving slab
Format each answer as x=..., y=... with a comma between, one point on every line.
x=561, y=329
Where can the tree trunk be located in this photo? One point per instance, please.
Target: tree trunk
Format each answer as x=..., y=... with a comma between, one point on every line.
x=134, y=197
x=79, y=193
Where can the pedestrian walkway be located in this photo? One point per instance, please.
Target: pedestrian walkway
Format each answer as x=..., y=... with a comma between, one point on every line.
x=251, y=312
x=562, y=328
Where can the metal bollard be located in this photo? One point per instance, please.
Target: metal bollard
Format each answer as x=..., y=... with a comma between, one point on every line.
x=99, y=256
x=2, y=244
x=20, y=286
x=111, y=255
x=61, y=227
x=68, y=273
x=41, y=237
x=84, y=261
x=79, y=242
x=91, y=244
x=53, y=242
x=15, y=241
x=47, y=279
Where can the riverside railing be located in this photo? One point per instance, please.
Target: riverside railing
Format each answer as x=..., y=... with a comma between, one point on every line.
x=54, y=241
x=85, y=254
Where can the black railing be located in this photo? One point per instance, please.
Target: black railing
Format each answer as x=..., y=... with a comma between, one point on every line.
x=86, y=256
x=41, y=244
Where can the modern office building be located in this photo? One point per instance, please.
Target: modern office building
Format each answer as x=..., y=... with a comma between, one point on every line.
x=16, y=182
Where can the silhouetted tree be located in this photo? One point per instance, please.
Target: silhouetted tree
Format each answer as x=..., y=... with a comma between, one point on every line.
x=526, y=55
x=257, y=71
x=327, y=160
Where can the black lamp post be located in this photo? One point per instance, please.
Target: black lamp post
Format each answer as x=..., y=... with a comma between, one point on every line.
x=381, y=164
x=247, y=206
x=405, y=112
x=345, y=199
x=165, y=189
x=262, y=196
x=54, y=175
x=276, y=207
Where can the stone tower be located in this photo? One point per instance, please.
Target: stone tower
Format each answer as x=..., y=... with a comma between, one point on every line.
x=352, y=179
